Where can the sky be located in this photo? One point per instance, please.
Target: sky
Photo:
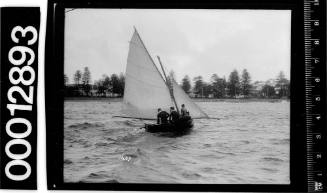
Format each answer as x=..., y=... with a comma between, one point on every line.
x=189, y=42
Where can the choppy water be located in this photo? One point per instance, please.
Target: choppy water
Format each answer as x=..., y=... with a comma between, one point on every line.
x=249, y=144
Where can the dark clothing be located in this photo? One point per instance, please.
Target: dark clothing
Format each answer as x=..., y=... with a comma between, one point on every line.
x=184, y=112
x=174, y=116
x=162, y=117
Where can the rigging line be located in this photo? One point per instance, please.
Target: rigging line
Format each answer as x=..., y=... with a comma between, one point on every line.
x=171, y=92
x=127, y=117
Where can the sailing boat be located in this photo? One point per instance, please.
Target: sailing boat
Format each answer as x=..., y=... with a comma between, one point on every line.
x=146, y=90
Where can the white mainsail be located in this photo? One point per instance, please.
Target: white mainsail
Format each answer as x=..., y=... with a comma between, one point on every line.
x=182, y=98
x=145, y=89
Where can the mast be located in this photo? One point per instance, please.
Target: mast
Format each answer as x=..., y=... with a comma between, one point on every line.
x=170, y=89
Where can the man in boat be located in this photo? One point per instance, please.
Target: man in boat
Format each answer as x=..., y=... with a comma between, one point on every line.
x=184, y=111
x=162, y=117
x=174, y=116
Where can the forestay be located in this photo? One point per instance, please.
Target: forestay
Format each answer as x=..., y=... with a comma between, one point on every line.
x=182, y=98
x=145, y=89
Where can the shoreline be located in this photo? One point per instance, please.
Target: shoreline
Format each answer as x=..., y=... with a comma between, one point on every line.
x=193, y=99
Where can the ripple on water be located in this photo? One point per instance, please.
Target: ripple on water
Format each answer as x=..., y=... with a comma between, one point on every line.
x=251, y=134
x=100, y=176
x=85, y=125
x=277, y=141
x=102, y=144
x=271, y=170
x=272, y=159
x=67, y=161
x=191, y=175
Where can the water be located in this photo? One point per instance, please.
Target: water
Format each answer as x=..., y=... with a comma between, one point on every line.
x=248, y=145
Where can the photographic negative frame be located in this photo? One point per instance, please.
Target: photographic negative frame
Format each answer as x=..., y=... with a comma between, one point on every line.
x=54, y=95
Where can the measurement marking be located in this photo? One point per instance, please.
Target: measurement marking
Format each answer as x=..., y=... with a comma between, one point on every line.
x=309, y=98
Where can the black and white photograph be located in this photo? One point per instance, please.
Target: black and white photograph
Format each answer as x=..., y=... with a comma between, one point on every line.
x=177, y=96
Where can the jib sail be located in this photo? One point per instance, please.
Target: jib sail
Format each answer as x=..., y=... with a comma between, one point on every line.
x=182, y=98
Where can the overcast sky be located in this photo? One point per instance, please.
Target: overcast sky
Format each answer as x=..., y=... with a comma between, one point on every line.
x=192, y=42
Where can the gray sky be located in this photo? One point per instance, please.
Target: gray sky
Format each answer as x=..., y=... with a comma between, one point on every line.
x=192, y=42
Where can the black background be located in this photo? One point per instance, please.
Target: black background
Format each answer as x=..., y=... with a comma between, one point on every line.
x=54, y=93
x=10, y=18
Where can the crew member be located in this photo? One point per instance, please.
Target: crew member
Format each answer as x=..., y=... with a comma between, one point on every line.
x=174, y=116
x=162, y=117
x=184, y=111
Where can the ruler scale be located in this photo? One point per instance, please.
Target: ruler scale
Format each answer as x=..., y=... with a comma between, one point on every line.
x=313, y=95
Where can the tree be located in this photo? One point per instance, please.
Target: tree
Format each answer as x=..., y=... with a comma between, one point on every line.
x=198, y=85
x=268, y=91
x=172, y=75
x=224, y=86
x=106, y=82
x=121, y=85
x=77, y=77
x=234, y=84
x=103, y=85
x=282, y=85
x=100, y=88
x=66, y=80
x=206, y=90
x=186, y=84
x=114, y=82
x=86, y=79
x=281, y=76
x=245, y=83
x=218, y=86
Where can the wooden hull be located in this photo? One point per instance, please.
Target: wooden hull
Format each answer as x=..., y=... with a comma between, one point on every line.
x=184, y=124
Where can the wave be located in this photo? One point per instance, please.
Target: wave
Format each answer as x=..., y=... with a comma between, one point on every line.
x=189, y=175
x=106, y=181
x=284, y=141
x=129, y=123
x=269, y=169
x=83, y=142
x=226, y=153
x=129, y=137
x=68, y=161
x=97, y=175
x=102, y=144
x=134, y=155
x=111, y=181
x=85, y=125
x=100, y=176
x=273, y=159
x=276, y=141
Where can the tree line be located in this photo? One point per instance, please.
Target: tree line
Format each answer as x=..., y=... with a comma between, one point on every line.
x=107, y=86
x=236, y=86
